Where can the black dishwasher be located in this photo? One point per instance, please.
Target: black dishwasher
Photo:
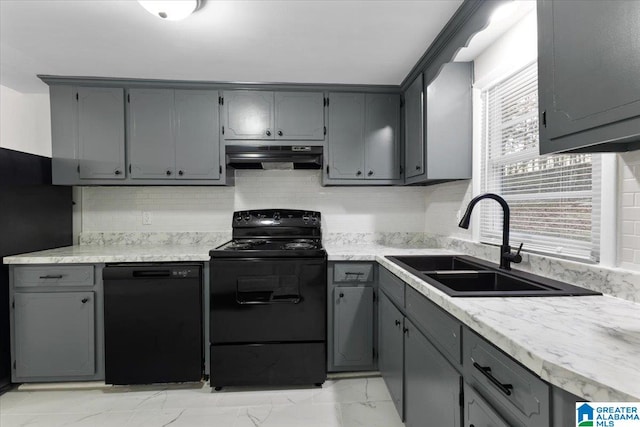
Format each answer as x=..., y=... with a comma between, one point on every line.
x=153, y=323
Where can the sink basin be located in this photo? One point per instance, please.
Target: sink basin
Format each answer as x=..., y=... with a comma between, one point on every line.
x=464, y=276
x=436, y=263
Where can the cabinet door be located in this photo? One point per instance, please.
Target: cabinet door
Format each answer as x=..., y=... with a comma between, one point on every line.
x=432, y=385
x=197, y=135
x=346, y=135
x=382, y=143
x=248, y=115
x=353, y=326
x=54, y=334
x=101, y=133
x=478, y=413
x=390, y=348
x=64, y=135
x=151, y=133
x=413, y=129
x=588, y=72
x=449, y=123
x=299, y=115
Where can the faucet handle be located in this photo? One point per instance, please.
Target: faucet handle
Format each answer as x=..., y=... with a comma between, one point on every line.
x=517, y=257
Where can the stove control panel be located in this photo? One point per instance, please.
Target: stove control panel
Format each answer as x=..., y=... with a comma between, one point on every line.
x=276, y=217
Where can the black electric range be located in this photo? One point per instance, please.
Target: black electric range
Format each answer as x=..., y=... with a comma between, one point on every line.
x=268, y=301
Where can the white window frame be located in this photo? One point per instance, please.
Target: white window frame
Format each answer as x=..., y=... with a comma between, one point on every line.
x=608, y=165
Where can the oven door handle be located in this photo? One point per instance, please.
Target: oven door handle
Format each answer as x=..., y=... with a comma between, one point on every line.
x=295, y=300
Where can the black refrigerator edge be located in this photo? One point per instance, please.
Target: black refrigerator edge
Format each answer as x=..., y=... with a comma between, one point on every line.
x=34, y=215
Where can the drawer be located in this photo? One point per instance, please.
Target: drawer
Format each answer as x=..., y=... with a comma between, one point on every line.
x=392, y=286
x=442, y=329
x=506, y=383
x=54, y=275
x=353, y=272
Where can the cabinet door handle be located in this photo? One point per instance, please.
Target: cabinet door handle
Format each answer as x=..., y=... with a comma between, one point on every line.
x=52, y=276
x=84, y=300
x=370, y=173
x=397, y=322
x=486, y=371
x=418, y=167
x=180, y=173
x=358, y=173
x=280, y=133
x=341, y=295
x=405, y=330
x=268, y=132
x=168, y=173
x=117, y=172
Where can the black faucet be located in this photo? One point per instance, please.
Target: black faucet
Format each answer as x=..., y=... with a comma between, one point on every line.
x=506, y=257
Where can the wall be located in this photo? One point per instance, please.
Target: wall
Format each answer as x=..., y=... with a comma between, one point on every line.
x=629, y=209
x=209, y=209
x=25, y=123
x=515, y=49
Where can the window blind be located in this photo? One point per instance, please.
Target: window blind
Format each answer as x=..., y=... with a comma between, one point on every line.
x=554, y=199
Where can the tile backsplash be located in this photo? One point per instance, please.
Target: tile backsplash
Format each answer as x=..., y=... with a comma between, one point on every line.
x=629, y=208
x=209, y=209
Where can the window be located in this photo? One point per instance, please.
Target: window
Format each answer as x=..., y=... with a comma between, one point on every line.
x=554, y=199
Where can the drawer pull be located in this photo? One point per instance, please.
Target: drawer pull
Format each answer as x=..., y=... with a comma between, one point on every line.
x=351, y=273
x=486, y=371
x=52, y=276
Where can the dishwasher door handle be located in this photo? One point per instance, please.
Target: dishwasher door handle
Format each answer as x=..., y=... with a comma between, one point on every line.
x=151, y=273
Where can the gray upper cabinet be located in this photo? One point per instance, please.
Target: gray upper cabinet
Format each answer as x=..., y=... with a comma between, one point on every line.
x=293, y=116
x=363, y=141
x=413, y=129
x=585, y=104
x=101, y=133
x=54, y=334
x=197, y=134
x=299, y=116
x=174, y=135
x=382, y=143
x=87, y=133
x=151, y=133
x=441, y=110
x=248, y=114
x=346, y=135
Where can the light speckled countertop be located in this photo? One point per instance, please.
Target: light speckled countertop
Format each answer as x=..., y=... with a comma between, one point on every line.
x=589, y=345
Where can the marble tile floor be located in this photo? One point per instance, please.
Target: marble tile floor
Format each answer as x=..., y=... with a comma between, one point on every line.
x=345, y=402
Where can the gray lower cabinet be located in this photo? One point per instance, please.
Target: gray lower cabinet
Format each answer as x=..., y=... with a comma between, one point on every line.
x=438, y=126
x=478, y=413
x=390, y=348
x=56, y=323
x=585, y=104
x=173, y=135
x=87, y=134
x=432, y=385
x=363, y=139
x=54, y=334
x=352, y=318
x=266, y=115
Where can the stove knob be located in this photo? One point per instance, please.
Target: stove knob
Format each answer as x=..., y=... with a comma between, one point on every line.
x=305, y=217
x=276, y=216
x=247, y=216
x=239, y=217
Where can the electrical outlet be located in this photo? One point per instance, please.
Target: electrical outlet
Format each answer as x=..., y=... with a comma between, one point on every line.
x=146, y=218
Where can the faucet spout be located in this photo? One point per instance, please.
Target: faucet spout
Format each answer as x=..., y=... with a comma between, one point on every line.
x=506, y=257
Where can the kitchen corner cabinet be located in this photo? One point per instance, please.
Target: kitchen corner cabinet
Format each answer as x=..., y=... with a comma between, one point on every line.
x=56, y=321
x=265, y=115
x=351, y=317
x=88, y=134
x=363, y=139
x=173, y=135
x=441, y=111
x=588, y=105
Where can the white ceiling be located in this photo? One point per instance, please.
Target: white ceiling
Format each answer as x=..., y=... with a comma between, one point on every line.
x=352, y=42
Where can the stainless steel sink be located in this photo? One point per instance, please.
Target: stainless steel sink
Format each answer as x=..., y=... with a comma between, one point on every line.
x=463, y=276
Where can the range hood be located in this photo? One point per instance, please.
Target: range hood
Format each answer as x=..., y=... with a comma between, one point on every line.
x=274, y=157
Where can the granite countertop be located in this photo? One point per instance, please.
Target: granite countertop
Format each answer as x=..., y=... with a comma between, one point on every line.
x=588, y=345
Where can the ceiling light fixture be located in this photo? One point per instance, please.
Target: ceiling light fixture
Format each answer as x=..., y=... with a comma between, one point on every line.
x=171, y=10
